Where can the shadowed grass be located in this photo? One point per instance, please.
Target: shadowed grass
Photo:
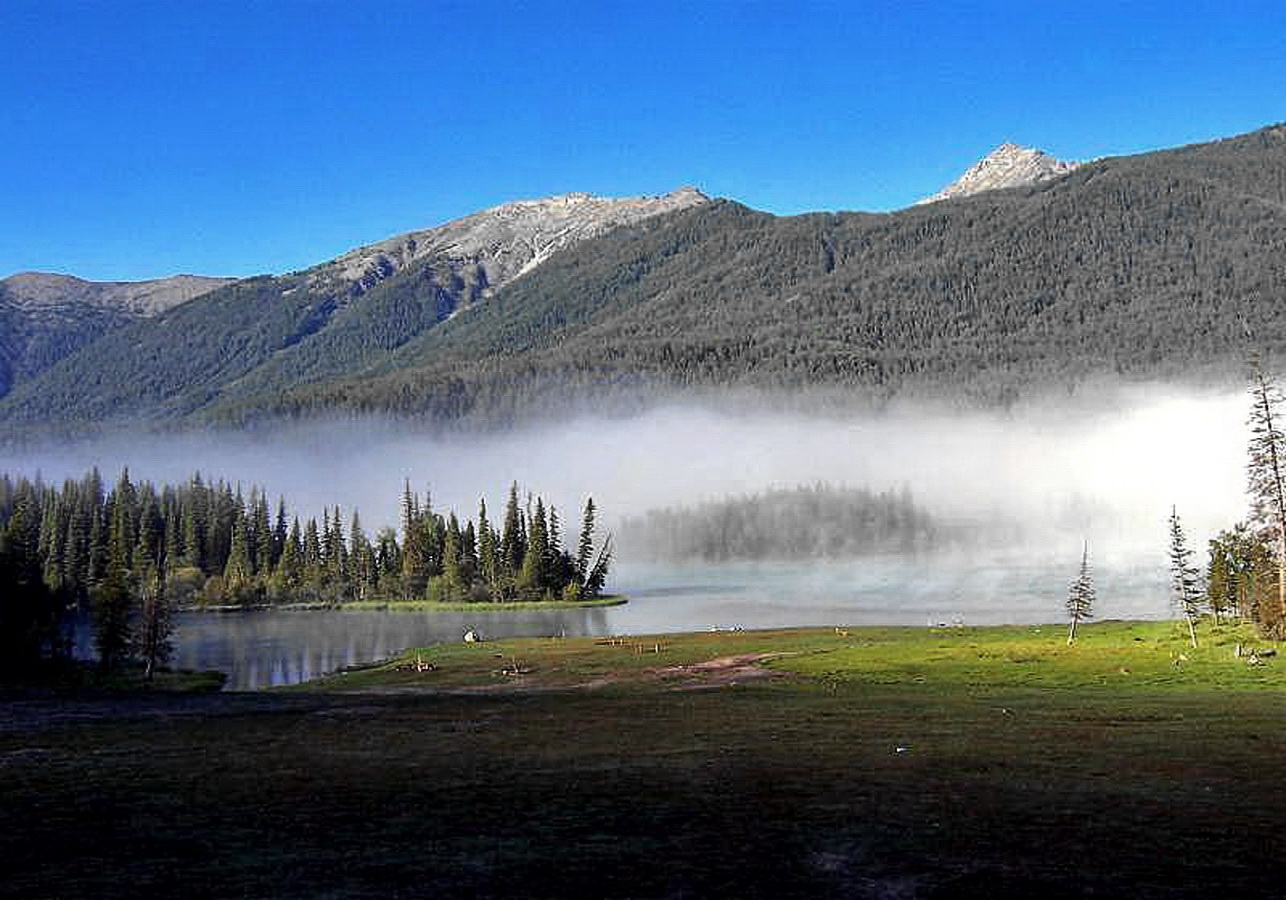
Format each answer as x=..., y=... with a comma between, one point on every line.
x=881, y=763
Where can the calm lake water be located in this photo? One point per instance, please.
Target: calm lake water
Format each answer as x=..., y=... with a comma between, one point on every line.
x=265, y=648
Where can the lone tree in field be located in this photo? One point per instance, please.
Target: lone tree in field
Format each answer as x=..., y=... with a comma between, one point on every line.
x=1185, y=580
x=1080, y=597
x=1266, y=469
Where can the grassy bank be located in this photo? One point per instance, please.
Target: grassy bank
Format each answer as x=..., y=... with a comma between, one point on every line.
x=880, y=763
x=431, y=606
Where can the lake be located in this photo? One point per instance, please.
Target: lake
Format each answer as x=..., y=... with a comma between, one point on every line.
x=267, y=648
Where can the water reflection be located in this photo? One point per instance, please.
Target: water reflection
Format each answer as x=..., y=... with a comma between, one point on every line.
x=266, y=648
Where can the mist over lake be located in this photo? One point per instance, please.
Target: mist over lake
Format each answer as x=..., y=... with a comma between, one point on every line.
x=1033, y=484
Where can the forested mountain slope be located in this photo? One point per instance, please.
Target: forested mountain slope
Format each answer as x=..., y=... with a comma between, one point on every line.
x=1151, y=266
x=262, y=335
x=1154, y=266
x=44, y=318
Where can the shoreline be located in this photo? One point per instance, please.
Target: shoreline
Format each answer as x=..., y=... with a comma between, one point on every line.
x=609, y=600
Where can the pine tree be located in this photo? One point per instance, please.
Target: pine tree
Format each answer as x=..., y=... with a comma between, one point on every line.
x=1266, y=471
x=596, y=578
x=361, y=566
x=288, y=577
x=1184, y=577
x=449, y=586
x=585, y=550
x=157, y=625
x=112, y=598
x=415, y=573
x=513, y=538
x=1080, y=597
x=238, y=572
x=535, y=573
x=488, y=552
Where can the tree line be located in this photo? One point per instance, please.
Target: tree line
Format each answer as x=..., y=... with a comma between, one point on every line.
x=1245, y=575
x=131, y=554
x=804, y=522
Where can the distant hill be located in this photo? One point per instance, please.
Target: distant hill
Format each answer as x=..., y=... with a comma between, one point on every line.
x=45, y=317
x=1125, y=268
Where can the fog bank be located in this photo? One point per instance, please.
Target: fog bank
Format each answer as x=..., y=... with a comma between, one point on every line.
x=1109, y=475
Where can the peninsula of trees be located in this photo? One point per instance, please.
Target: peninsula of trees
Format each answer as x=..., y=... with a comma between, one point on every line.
x=132, y=553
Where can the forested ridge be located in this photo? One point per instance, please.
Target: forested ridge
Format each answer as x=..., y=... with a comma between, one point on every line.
x=806, y=522
x=1151, y=266
x=135, y=551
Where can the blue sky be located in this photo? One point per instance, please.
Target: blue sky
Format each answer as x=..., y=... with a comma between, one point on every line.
x=141, y=139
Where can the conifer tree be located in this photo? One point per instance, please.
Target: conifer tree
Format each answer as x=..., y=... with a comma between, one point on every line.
x=361, y=561
x=112, y=599
x=289, y=574
x=1266, y=470
x=513, y=537
x=450, y=586
x=280, y=532
x=238, y=572
x=488, y=552
x=1184, y=577
x=585, y=549
x=1080, y=597
x=414, y=568
x=535, y=572
x=156, y=627
x=596, y=578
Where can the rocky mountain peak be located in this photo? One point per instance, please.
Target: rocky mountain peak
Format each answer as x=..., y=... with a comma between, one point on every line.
x=508, y=240
x=1008, y=166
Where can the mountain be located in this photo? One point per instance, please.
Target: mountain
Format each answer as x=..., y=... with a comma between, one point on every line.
x=261, y=335
x=46, y=317
x=1130, y=268
x=1143, y=267
x=503, y=242
x=1008, y=166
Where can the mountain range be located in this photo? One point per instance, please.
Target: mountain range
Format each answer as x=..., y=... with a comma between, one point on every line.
x=1027, y=275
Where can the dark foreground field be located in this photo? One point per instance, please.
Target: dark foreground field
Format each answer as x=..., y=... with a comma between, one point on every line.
x=882, y=763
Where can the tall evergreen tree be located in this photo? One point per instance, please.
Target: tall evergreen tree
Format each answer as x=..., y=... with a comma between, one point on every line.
x=513, y=538
x=112, y=597
x=488, y=551
x=535, y=566
x=585, y=548
x=596, y=578
x=1266, y=470
x=157, y=624
x=1080, y=597
x=1184, y=577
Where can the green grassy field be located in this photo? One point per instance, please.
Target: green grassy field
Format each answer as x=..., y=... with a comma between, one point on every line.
x=881, y=763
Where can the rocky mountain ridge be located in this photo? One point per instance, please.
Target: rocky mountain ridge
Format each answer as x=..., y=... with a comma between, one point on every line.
x=46, y=317
x=1008, y=166
x=40, y=290
x=505, y=241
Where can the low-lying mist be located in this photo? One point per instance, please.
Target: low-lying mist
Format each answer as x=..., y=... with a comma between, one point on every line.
x=1108, y=474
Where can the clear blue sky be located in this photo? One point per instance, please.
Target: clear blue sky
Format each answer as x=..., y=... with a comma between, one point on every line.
x=140, y=139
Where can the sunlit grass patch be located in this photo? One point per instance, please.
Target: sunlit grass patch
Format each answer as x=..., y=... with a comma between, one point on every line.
x=1107, y=654
x=1155, y=654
